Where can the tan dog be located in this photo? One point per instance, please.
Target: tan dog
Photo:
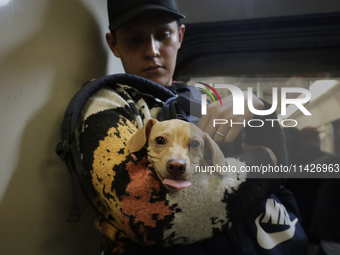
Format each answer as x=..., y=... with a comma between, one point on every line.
x=174, y=148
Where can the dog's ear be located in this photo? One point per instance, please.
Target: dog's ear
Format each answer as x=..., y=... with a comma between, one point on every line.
x=139, y=139
x=213, y=150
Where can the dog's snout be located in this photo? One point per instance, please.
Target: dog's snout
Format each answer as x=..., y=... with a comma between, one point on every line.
x=176, y=167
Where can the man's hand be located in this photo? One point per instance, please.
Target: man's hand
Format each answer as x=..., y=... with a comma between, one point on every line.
x=223, y=135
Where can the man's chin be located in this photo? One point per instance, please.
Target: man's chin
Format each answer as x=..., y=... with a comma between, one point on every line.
x=159, y=80
x=162, y=82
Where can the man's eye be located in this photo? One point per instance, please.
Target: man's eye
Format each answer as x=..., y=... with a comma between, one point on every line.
x=134, y=39
x=164, y=35
x=194, y=144
x=160, y=141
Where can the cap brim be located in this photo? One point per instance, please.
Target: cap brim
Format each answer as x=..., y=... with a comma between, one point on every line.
x=126, y=16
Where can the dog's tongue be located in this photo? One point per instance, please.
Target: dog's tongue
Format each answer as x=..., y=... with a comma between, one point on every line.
x=178, y=184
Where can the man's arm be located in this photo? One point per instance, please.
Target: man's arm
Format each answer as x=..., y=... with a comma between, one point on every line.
x=268, y=137
x=255, y=147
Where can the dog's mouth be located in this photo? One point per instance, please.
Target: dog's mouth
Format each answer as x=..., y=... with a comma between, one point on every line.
x=177, y=184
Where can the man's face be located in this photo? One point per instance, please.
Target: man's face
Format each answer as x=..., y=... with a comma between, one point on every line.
x=148, y=45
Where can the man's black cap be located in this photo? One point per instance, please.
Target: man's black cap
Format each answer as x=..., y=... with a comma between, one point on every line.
x=120, y=11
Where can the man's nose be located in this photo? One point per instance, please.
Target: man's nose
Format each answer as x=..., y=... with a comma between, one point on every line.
x=152, y=48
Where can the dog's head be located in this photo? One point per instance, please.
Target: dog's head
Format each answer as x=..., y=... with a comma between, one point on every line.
x=175, y=148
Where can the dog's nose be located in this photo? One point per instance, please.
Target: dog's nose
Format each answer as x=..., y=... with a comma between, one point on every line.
x=176, y=167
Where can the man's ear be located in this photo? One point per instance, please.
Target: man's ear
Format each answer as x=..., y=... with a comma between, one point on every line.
x=139, y=139
x=181, y=32
x=111, y=41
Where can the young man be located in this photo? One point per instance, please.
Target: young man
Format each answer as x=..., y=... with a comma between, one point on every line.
x=147, y=39
x=146, y=36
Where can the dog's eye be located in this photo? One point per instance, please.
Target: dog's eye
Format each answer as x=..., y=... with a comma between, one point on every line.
x=160, y=141
x=194, y=144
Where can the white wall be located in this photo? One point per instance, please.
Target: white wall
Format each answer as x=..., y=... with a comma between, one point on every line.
x=48, y=49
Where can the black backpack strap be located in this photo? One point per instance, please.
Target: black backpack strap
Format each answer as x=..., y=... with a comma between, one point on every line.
x=78, y=101
x=186, y=105
x=195, y=93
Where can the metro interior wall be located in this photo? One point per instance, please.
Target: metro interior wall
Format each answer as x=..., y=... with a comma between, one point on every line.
x=48, y=49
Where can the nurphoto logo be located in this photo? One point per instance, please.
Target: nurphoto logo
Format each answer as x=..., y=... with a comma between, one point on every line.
x=239, y=98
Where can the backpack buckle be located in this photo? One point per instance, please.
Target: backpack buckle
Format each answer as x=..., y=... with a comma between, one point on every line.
x=62, y=149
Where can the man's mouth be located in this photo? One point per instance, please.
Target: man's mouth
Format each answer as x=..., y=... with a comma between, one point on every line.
x=153, y=68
